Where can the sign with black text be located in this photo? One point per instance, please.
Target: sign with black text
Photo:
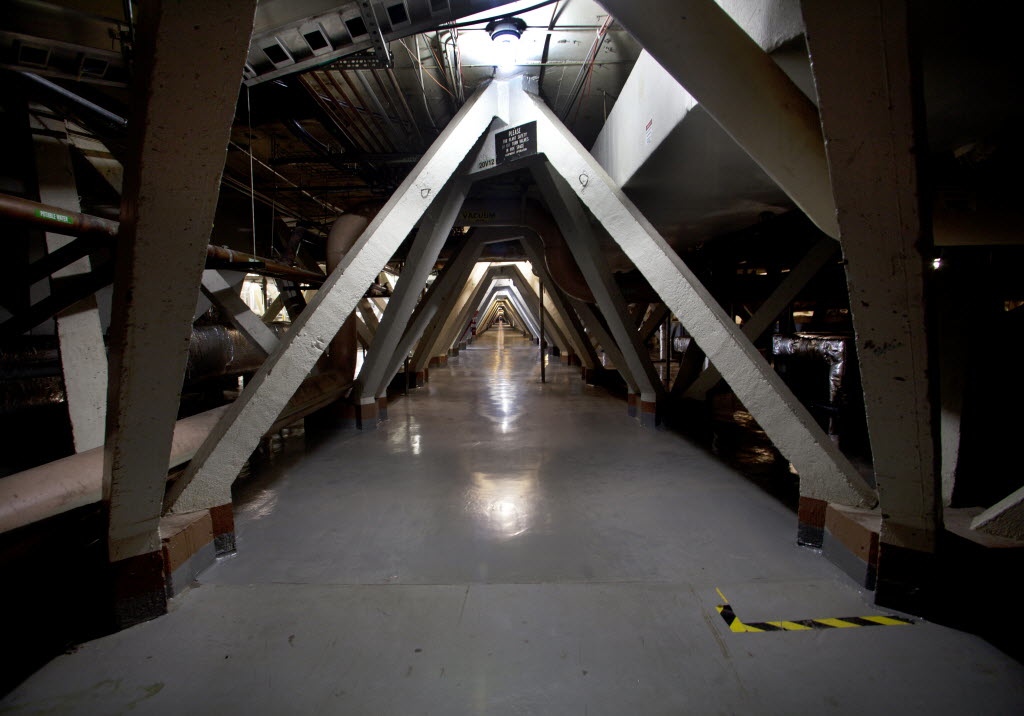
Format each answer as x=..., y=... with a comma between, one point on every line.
x=516, y=143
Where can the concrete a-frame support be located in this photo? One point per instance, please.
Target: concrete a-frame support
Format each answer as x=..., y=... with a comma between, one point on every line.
x=215, y=466
x=220, y=291
x=433, y=232
x=179, y=135
x=583, y=347
x=83, y=355
x=438, y=302
x=526, y=313
x=575, y=226
x=531, y=300
x=460, y=291
x=825, y=473
x=369, y=317
x=801, y=274
x=866, y=84
x=596, y=328
x=457, y=320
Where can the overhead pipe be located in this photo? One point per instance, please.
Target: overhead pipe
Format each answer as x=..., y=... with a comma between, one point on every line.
x=72, y=223
x=55, y=219
x=89, y=109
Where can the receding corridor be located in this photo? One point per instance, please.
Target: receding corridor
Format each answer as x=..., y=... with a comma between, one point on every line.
x=500, y=546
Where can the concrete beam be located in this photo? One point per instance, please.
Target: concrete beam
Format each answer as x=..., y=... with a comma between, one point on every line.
x=552, y=330
x=438, y=302
x=866, y=86
x=575, y=226
x=739, y=85
x=444, y=316
x=433, y=231
x=369, y=317
x=597, y=329
x=184, y=100
x=208, y=480
x=219, y=290
x=794, y=282
x=456, y=322
x=824, y=472
x=1005, y=518
x=273, y=310
x=583, y=347
x=83, y=354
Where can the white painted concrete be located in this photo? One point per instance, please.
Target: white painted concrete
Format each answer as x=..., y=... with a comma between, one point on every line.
x=208, y=480
x=863, y=72
x=825, y=473
x=188, y=64
x=83, y=354
x=582, y=242
x=738, y=84
x=434, y=230
x=219, y=290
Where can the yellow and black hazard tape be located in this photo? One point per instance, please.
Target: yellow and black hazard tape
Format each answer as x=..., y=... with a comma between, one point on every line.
x=738, y=626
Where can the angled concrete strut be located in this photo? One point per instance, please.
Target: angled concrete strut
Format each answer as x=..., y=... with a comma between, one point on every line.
x=208, y=479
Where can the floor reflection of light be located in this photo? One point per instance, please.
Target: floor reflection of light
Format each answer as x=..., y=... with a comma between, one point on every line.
x=504, y=504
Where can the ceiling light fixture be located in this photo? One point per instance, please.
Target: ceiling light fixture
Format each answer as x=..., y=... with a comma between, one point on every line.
x=505, y=33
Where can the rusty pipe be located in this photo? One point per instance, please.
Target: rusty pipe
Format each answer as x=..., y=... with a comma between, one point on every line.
x=55, y=219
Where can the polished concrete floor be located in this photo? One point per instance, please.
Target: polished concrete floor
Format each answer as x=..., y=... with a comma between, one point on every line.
x=501, y=546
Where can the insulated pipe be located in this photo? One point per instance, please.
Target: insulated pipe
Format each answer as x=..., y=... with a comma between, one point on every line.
x=746, y=92
x=344, y=347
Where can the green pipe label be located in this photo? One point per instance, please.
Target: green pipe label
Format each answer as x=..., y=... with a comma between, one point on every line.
x=53, y=216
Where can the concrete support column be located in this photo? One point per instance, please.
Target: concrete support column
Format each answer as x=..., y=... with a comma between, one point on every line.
x=787, y=290
x=207, y=481
x=824, y=472
x=456, y=323
x=185, y=102
x=868, y=96
x=430, y=238
x=438, y=301
x=597, y=329
x=219, y=290
x=83, y=355
x=575, y=227
x=583, y=347
x=343, y=348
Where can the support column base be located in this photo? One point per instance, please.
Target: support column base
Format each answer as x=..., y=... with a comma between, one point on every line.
x=810, y=515
x=906, y=580
x=649, y=416
x=453, y=351
x=187, y=543
x=382, y=407
x=223, y=519
x=851, y=542
x=367, y=415
x=632, y=404
x=138, y=590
